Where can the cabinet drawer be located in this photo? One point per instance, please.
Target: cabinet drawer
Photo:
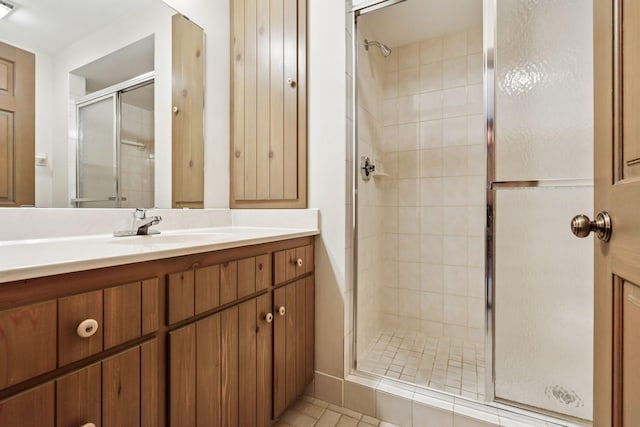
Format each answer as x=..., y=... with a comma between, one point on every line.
x=202, y=289
x=102, y=319
x=27, y=342
x=292, y=263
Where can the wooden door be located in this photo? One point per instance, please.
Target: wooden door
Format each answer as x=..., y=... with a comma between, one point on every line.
x=617, y=191
x=17, y=126
x=187, y=134
x=268, y=103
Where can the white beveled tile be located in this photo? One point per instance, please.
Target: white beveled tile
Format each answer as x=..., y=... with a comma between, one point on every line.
x=408, y=164
x=409, y=303
x=474, y=39
x=432, y=278
x=455, y=45
x=455, y=191
x=475, y=100
x=408, y=108
x=409, y=275
x=455, y=221
x=474, y=68
x=454, y=72
x=408, y=56
x=409, y=192
x=408, y=137
x=431, y=250
x=455, y=250
x=454, y=161
x=431, y=77
x=431, y=134
x=454, y=102
x=432, y=191
x=454, y=131
x=431, y=105
x=390, y=85
x=431, y=162
x=455, y=280
x=390, y=112
x=432, y=220
x=431, y=50
x=432, y=306
x=408, y=81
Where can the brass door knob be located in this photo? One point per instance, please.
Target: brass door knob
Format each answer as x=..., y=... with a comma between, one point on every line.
x=581, y=226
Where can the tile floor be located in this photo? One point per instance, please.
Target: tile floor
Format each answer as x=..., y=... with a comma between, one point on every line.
x=445, y=364
x=309, y=411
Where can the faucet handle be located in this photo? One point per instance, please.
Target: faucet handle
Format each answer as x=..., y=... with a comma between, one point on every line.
x=140, y=213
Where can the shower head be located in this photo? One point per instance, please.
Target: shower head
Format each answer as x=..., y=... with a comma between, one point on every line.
x=386, y=50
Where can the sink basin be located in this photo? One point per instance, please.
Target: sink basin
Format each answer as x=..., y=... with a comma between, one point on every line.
x=200, y=238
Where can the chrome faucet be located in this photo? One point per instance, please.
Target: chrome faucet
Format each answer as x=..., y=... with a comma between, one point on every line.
x=140, y=225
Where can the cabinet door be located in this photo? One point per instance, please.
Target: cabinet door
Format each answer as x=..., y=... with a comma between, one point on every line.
x=220, y=368
x=78, y=398
x=293, y=342
x=268, y=103
x=187, y=174
x=34, y=407
x=122, y=390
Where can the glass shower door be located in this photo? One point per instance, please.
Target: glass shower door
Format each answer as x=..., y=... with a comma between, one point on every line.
x=543, y=176
x=97, y=155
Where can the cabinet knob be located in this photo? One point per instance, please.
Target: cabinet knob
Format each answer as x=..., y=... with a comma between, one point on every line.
x=282, y=311
x=298, y=262
x=291, y=82
x=88, y=425
x=175, y=109
x=87, y=328
x=268, y=317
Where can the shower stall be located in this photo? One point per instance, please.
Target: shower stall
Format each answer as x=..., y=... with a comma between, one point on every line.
x=471, y=150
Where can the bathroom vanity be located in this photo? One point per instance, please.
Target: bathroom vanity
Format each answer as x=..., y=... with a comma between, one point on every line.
x=183, y=330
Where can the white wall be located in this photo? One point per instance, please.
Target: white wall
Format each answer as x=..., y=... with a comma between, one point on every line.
x=327, y=186
x=44, y=140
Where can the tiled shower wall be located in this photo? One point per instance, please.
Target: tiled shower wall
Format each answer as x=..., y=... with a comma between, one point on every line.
x=137, y=163
x=434, y=197
x=371, y=196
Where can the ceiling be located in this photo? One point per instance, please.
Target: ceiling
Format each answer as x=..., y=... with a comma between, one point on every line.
x=47, y=26
x=415, y=20
x=121, y=65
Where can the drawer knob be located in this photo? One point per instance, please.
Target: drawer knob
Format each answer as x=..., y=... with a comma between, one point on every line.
x=88, y=425
x=269, y=317
x=282, y=311
x=299, y=262
x=87, y=328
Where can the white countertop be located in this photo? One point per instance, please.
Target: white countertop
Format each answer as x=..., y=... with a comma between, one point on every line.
x=25, y=259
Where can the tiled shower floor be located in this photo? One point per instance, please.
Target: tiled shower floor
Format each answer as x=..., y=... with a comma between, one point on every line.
x=446, y=364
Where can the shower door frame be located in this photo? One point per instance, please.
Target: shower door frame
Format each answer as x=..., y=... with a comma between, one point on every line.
x=488, y=49
x=110, y=92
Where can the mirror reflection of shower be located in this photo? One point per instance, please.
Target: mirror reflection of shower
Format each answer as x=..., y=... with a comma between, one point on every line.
x=384, y=49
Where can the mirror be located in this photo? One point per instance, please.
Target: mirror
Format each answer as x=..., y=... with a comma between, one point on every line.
x=103, y=104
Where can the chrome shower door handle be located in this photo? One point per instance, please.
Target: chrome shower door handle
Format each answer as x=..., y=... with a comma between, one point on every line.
x=582, y=226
